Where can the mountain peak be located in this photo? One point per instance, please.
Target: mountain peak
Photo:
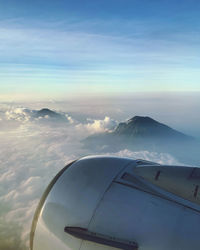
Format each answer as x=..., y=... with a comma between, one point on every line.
x=146, y=127
x=47, y=112
x=45, y=109
x=141, y=119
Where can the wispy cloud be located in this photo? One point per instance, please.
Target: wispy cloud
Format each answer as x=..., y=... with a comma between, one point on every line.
x=78, y=52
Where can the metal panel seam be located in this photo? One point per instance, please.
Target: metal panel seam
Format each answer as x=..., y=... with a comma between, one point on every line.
x=98, y=204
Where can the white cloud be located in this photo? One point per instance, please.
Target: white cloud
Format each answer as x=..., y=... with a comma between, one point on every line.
x=31, y=155
x=18, y=114
x=98, y=126
x=161, y=158
x=24, y=115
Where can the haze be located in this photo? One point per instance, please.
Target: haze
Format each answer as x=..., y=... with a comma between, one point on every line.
x=33, y=150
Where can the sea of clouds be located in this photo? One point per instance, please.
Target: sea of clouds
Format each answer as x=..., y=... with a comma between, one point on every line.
x=33, y=150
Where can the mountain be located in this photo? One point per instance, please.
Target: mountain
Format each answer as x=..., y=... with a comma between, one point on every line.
x=147, y=127
x=47, y=112
x=144, y=133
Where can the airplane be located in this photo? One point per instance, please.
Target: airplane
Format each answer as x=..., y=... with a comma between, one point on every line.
x=112, y=203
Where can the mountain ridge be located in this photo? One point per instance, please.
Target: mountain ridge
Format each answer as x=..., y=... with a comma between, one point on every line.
x=142, y=133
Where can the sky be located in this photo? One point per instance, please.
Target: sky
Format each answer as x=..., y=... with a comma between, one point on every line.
x=56, y=49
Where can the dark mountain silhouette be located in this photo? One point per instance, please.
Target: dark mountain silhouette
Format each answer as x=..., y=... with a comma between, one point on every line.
x=145, y=133
x=47, y=112
x=140, y=126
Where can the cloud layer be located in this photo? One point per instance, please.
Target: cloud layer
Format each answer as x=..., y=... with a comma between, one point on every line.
x=32, y=152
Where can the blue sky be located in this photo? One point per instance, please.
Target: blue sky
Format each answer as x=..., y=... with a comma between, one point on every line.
x=53, y=49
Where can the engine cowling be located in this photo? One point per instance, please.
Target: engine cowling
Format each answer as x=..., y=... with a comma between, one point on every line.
x=118, y=203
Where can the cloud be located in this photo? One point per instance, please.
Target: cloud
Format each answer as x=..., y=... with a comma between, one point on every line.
x=33, y=150
x=85, y=41
x=24, y=115
x=57, y=49
x=31, y=155
x=98, y=126
x=161, y=158
x=19, y=114
x=86, y=58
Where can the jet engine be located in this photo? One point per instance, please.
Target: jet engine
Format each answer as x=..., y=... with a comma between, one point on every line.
x=107, y=203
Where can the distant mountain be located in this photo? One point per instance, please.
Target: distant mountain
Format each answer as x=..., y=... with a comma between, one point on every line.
x=146, y=127
x=47, y=112
x=145, y=133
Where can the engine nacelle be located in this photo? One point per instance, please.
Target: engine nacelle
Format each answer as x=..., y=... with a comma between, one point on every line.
x=112, y=203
